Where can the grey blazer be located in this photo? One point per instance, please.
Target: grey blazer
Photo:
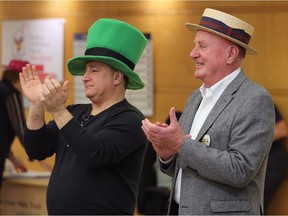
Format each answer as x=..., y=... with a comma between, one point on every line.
x=226, y=176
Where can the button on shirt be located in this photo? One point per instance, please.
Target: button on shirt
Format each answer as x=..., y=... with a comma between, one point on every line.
x=210, y=97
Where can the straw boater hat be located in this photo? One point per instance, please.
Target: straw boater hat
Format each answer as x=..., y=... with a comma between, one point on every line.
x=226, y=26
x=114, y=43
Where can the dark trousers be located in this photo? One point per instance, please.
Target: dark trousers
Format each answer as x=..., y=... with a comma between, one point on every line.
x=174, y=208
x=155, y=201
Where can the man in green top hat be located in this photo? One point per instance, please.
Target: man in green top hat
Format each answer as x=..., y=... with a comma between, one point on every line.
x=99, y=146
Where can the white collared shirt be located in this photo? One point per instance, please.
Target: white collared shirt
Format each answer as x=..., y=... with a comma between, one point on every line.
x=210, y=97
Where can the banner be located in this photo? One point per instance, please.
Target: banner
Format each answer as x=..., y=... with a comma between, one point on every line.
x=39, y=41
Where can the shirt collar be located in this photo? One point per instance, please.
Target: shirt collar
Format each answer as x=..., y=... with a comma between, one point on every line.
x=218, y=88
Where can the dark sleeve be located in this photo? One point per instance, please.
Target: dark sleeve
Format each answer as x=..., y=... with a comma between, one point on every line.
x=40, y=144
x=278, y=116
x=14, y=105
x=119, y=136
x=15, y=111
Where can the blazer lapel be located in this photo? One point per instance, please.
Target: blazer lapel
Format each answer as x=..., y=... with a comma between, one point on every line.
x=222, y=102
x=192, y=106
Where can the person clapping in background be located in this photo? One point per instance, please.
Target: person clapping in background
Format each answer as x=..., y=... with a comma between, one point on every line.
x=12, y=116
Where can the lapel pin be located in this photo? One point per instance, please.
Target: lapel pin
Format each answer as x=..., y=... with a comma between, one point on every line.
x=206, y=140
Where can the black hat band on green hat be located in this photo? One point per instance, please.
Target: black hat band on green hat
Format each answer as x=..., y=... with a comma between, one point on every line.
x=100, y=51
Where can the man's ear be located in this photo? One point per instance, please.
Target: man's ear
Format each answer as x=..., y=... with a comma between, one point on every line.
x=233, y=52
x=118, y=74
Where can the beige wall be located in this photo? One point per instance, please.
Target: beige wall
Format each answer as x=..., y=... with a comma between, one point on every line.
x=172, y=42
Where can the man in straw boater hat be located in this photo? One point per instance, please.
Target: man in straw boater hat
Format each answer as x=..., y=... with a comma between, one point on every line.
x=99, y=146
x=217, y=153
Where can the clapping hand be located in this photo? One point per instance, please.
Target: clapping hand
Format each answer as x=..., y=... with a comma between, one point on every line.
x=30, y=83
x=166, y=139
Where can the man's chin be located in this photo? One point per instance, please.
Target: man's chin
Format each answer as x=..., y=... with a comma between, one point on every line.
x=198, y=75
x=88, y=95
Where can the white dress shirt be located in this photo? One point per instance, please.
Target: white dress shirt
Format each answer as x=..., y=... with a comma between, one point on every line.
x=210, y=97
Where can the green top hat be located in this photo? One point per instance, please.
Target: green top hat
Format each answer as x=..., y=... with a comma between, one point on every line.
x=114, y=43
